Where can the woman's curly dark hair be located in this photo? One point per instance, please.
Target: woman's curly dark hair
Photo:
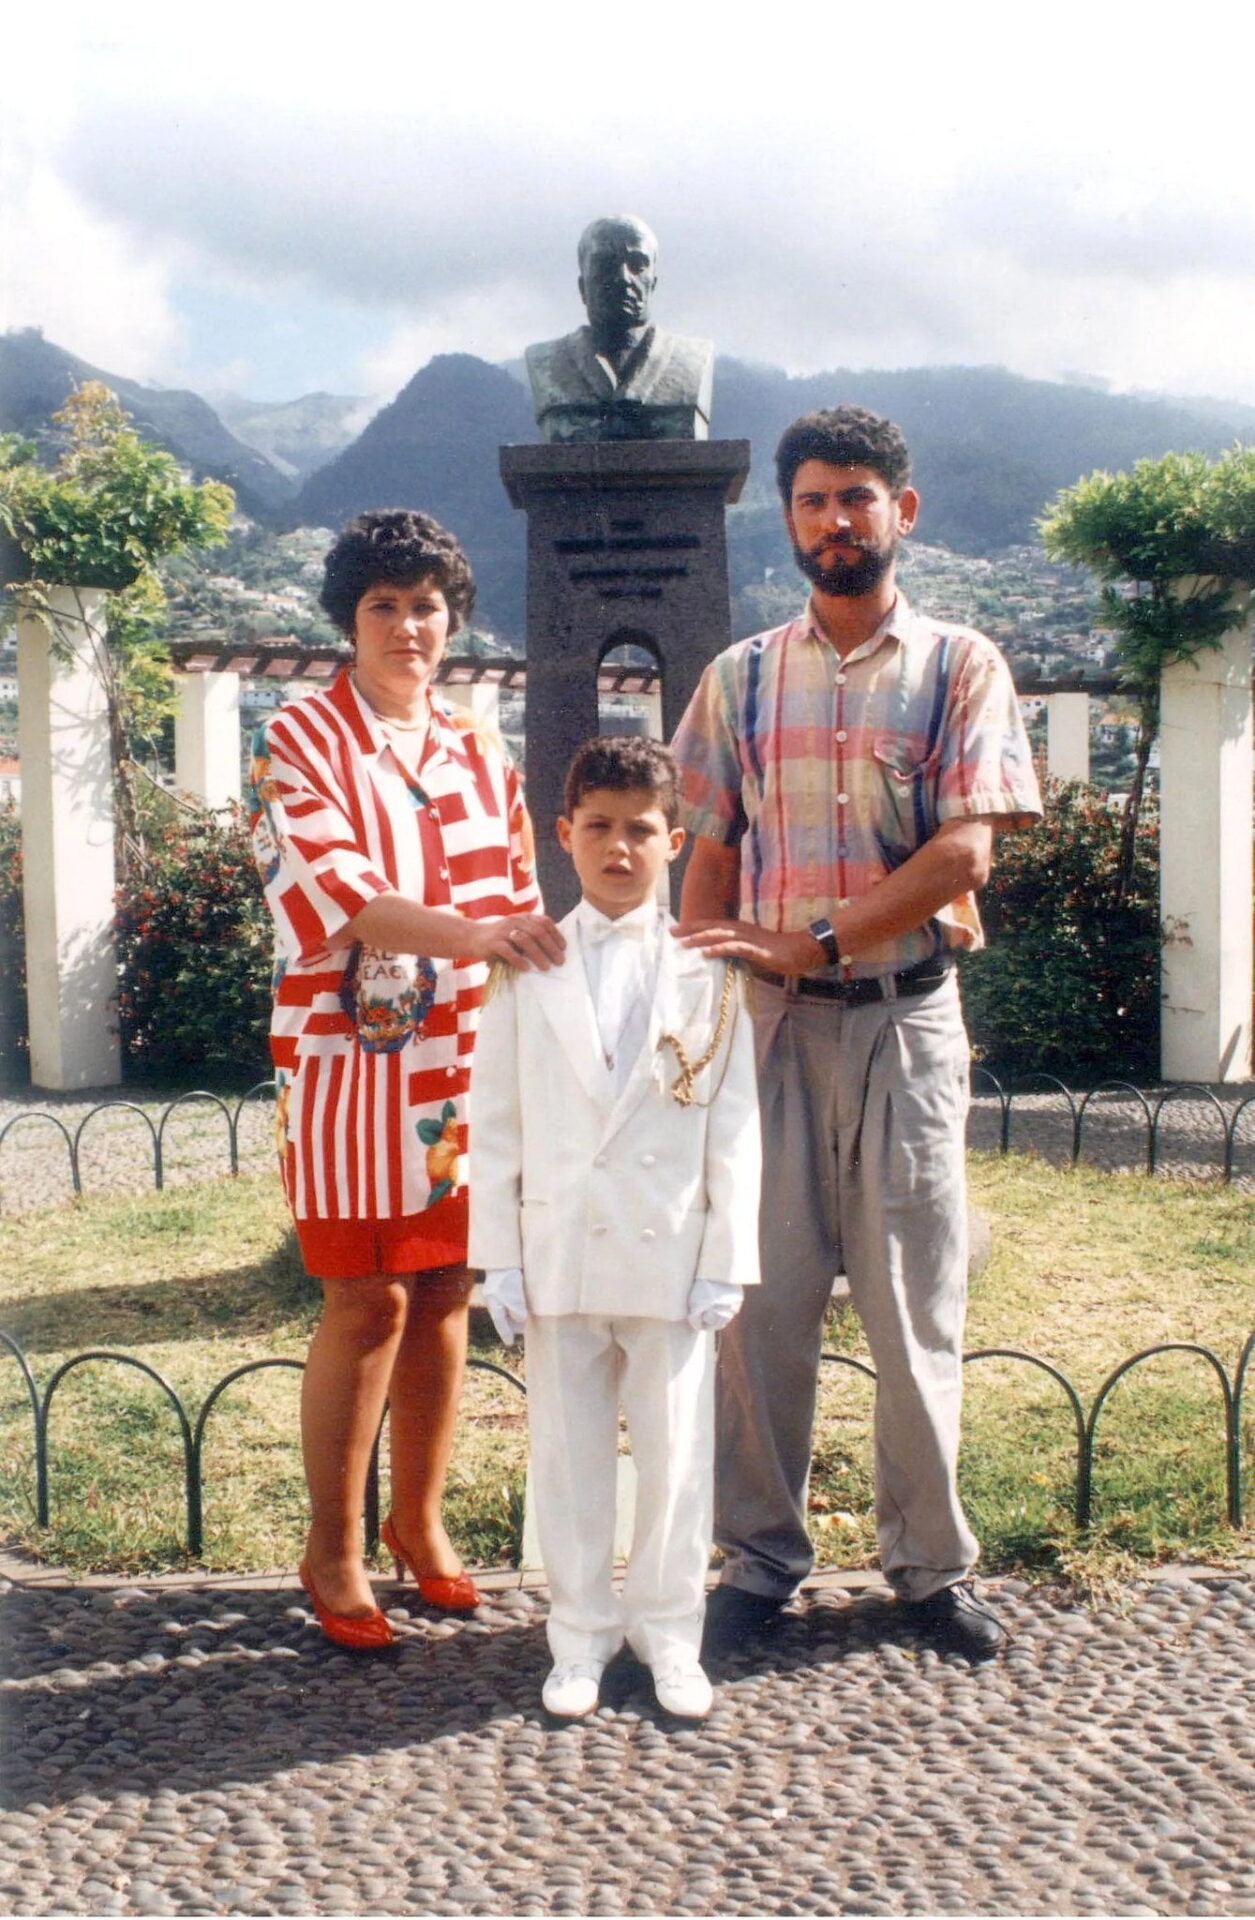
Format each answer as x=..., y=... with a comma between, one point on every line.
x=401, y=547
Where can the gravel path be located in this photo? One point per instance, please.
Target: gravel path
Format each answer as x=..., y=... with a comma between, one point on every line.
x=116, y=1152
x=205, y=1750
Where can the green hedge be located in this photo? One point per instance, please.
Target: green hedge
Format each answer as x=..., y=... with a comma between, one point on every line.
x=1069, y=983
x=195, y=949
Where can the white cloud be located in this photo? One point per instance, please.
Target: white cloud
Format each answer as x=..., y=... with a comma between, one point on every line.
x=91, y=285
x=959, y=184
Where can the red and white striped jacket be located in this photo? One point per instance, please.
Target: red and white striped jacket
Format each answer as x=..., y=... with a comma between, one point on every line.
x=372, y=1051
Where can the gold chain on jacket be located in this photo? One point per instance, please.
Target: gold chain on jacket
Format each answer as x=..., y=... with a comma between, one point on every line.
x=682, y=1089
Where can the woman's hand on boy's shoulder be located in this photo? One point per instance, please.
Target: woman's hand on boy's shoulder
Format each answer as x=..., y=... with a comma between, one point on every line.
x=522, y=940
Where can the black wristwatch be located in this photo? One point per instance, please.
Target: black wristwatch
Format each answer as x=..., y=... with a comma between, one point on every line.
x=826, y=934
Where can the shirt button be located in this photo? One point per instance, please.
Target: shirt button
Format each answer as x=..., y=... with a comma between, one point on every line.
x=842, y=735
x=845, y=902
x=597, y=1229
x=451, y=1073
x=843, y=799
x=648, y=1159
x=444, y=871
x=647, y=1233
x=840, y=679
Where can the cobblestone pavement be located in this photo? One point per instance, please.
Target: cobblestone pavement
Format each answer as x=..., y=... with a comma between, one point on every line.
x=116, y=1144
x=205, y=1750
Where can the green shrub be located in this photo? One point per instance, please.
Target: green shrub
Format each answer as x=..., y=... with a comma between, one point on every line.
x=1069, y=983
x=14, y=1069
x=195, y=945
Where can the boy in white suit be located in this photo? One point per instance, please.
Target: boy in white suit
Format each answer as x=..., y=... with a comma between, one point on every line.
x=614, y=1206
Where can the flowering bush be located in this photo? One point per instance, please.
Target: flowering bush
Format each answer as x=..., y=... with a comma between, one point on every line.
x=194, y=954
x=1069, y=983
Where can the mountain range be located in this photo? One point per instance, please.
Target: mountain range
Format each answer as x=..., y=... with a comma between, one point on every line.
x=990, y=448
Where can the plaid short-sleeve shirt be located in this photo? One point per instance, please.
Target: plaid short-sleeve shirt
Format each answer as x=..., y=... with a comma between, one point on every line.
x=828, y=774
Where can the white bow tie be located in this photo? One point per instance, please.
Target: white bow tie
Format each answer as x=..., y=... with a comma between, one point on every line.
x=595, y=932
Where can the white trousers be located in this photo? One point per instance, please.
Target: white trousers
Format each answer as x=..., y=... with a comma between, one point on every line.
x=580, y=1370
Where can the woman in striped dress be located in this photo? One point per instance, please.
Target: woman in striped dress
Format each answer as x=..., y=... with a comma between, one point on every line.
x=397, y=860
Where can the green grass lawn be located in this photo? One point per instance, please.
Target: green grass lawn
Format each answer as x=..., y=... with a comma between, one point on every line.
x=1086, y=1269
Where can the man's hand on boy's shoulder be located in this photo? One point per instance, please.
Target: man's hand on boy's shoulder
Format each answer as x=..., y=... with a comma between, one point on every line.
x=783, y=953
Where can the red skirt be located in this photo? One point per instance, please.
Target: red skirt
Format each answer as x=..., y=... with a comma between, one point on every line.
x=353, y=1249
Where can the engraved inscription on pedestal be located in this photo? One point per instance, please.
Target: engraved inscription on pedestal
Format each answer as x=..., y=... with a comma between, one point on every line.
x=626, y=545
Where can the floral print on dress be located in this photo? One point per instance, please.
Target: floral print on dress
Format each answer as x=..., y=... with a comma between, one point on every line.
x=262, y=794
x=440, y=1137
x=387, y=996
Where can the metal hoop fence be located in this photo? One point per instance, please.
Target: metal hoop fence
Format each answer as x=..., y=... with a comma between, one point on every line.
x=1220, y=1135
x=192, y=1432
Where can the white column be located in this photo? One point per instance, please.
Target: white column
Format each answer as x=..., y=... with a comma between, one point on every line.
x=67, y=844
x=1205, y=862
x=653, y=707
x=479, y=698
x=207, y=737
x=1067, y=736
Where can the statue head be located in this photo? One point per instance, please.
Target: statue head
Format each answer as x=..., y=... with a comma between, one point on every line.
x=618, y=272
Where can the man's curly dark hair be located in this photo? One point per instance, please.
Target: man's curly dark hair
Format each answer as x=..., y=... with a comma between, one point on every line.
x=844, y=437
x=623, y=763
x=395, y=545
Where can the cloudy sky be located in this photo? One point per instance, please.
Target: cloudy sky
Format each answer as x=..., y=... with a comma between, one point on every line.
x=281, y=199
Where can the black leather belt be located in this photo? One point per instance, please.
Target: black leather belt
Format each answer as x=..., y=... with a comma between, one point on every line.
x=921, y=978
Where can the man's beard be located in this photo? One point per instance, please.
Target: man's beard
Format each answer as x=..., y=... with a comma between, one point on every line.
x=846, y=579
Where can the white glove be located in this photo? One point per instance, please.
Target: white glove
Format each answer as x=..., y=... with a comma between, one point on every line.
x=506, y=1302
x=712, y=1303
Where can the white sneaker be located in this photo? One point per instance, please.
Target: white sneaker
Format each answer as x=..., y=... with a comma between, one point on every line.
x=682, y=1688
x=573, y=1688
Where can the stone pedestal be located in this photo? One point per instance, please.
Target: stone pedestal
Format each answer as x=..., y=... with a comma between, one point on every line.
x=625, y=546
x=207, y=737
x=67, y=845
x=1067, y=736
x=1205, y=863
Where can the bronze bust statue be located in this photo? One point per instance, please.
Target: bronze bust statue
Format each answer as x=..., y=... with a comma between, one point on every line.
x=620, y=377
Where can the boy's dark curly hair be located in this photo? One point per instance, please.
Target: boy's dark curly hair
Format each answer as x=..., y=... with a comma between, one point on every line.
x=395, y=545
x=624, y=763
x=844, y=437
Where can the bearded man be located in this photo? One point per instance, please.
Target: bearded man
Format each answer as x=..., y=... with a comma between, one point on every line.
x=843, y=777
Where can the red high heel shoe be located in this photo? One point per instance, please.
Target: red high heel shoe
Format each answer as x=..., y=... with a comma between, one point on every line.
x=360, y=1632
x=453, y=1594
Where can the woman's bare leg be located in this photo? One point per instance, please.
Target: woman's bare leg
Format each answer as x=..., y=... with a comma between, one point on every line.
x=351, y=1360
x=426, y=1384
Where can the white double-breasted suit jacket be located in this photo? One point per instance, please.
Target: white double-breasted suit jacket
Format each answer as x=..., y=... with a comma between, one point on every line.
x=613, y=1203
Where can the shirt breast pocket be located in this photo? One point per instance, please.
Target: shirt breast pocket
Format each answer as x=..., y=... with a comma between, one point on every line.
x=908, y=776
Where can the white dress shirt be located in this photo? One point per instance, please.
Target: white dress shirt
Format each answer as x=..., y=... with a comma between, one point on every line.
x=621, y=966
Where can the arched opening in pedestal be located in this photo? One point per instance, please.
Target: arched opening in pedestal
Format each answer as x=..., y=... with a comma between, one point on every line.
x=629, y=674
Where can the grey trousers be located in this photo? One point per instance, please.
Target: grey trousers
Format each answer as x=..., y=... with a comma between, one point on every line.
x=863, y=1119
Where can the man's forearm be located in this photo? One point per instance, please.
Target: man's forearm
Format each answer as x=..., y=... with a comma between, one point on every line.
x=952, y=863
x=712, y=881
x=955, y=861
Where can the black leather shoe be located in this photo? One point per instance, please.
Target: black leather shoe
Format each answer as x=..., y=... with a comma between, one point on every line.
x=957, y=1622
x=736, y=1618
